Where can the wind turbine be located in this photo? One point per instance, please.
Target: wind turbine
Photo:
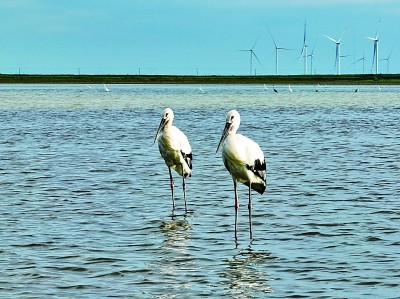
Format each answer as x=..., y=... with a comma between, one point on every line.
x=277, y=52
x=388, y=60
x=312, y=59
x=304, y=49
x=251, y=50
x=375, y=56
x=337, y=42
x=361, y=59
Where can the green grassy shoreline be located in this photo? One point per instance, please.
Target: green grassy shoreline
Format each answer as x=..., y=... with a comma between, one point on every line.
x=389, y=79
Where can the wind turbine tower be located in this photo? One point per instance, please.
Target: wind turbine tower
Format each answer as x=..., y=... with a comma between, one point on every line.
x=337, y=42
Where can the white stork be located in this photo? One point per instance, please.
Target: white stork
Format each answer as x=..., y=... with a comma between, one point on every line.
x=175, y=149
x=244, y=160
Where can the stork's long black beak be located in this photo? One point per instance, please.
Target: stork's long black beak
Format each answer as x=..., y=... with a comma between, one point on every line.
x=224, y=135
x=160, y=127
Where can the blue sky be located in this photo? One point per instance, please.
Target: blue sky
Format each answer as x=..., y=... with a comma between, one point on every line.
x=193, y=37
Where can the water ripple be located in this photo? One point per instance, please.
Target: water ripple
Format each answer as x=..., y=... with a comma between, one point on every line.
x=86, y=206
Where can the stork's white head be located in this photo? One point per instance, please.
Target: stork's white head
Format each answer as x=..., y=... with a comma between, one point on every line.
x=233, y=119
x=167, y=117
x=231, y=126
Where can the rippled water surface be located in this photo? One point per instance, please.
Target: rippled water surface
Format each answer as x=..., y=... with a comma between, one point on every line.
x=86, y=209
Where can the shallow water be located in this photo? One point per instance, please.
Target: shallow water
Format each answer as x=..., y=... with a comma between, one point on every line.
x=86, y=209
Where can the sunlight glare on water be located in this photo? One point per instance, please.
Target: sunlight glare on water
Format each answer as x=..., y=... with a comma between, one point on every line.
x=86, y=204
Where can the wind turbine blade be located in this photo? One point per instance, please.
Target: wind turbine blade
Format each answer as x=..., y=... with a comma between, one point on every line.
x=304, y=39
x=272, y=37
x=358, y=60
x=377, y=29
x=256, y=57
x=337, y=55
x=330, y=38
x=341, y=36
x=390, y=54
x=371, y=38
x=256, y=40
x=373, y=57
x=312, y=52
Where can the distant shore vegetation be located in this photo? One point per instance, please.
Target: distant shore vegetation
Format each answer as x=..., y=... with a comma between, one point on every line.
x=382, y=79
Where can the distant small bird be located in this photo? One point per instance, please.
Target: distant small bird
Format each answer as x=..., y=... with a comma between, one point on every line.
x=244, y=160
x=106, y=88
x=201, y=89
x=290, y=89
x=175, y=149
x=265, y=87
x=357, y=90
x=88, y=86
x=273, y=86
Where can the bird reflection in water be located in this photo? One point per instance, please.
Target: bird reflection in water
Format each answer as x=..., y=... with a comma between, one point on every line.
x=177, y=232
x=246, y=273
x=176, y=259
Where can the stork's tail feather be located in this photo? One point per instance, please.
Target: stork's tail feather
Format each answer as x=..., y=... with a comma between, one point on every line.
x=258, y=187
x=188, y=158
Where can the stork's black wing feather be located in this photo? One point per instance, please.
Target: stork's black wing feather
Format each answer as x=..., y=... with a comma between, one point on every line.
x=259, y=169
